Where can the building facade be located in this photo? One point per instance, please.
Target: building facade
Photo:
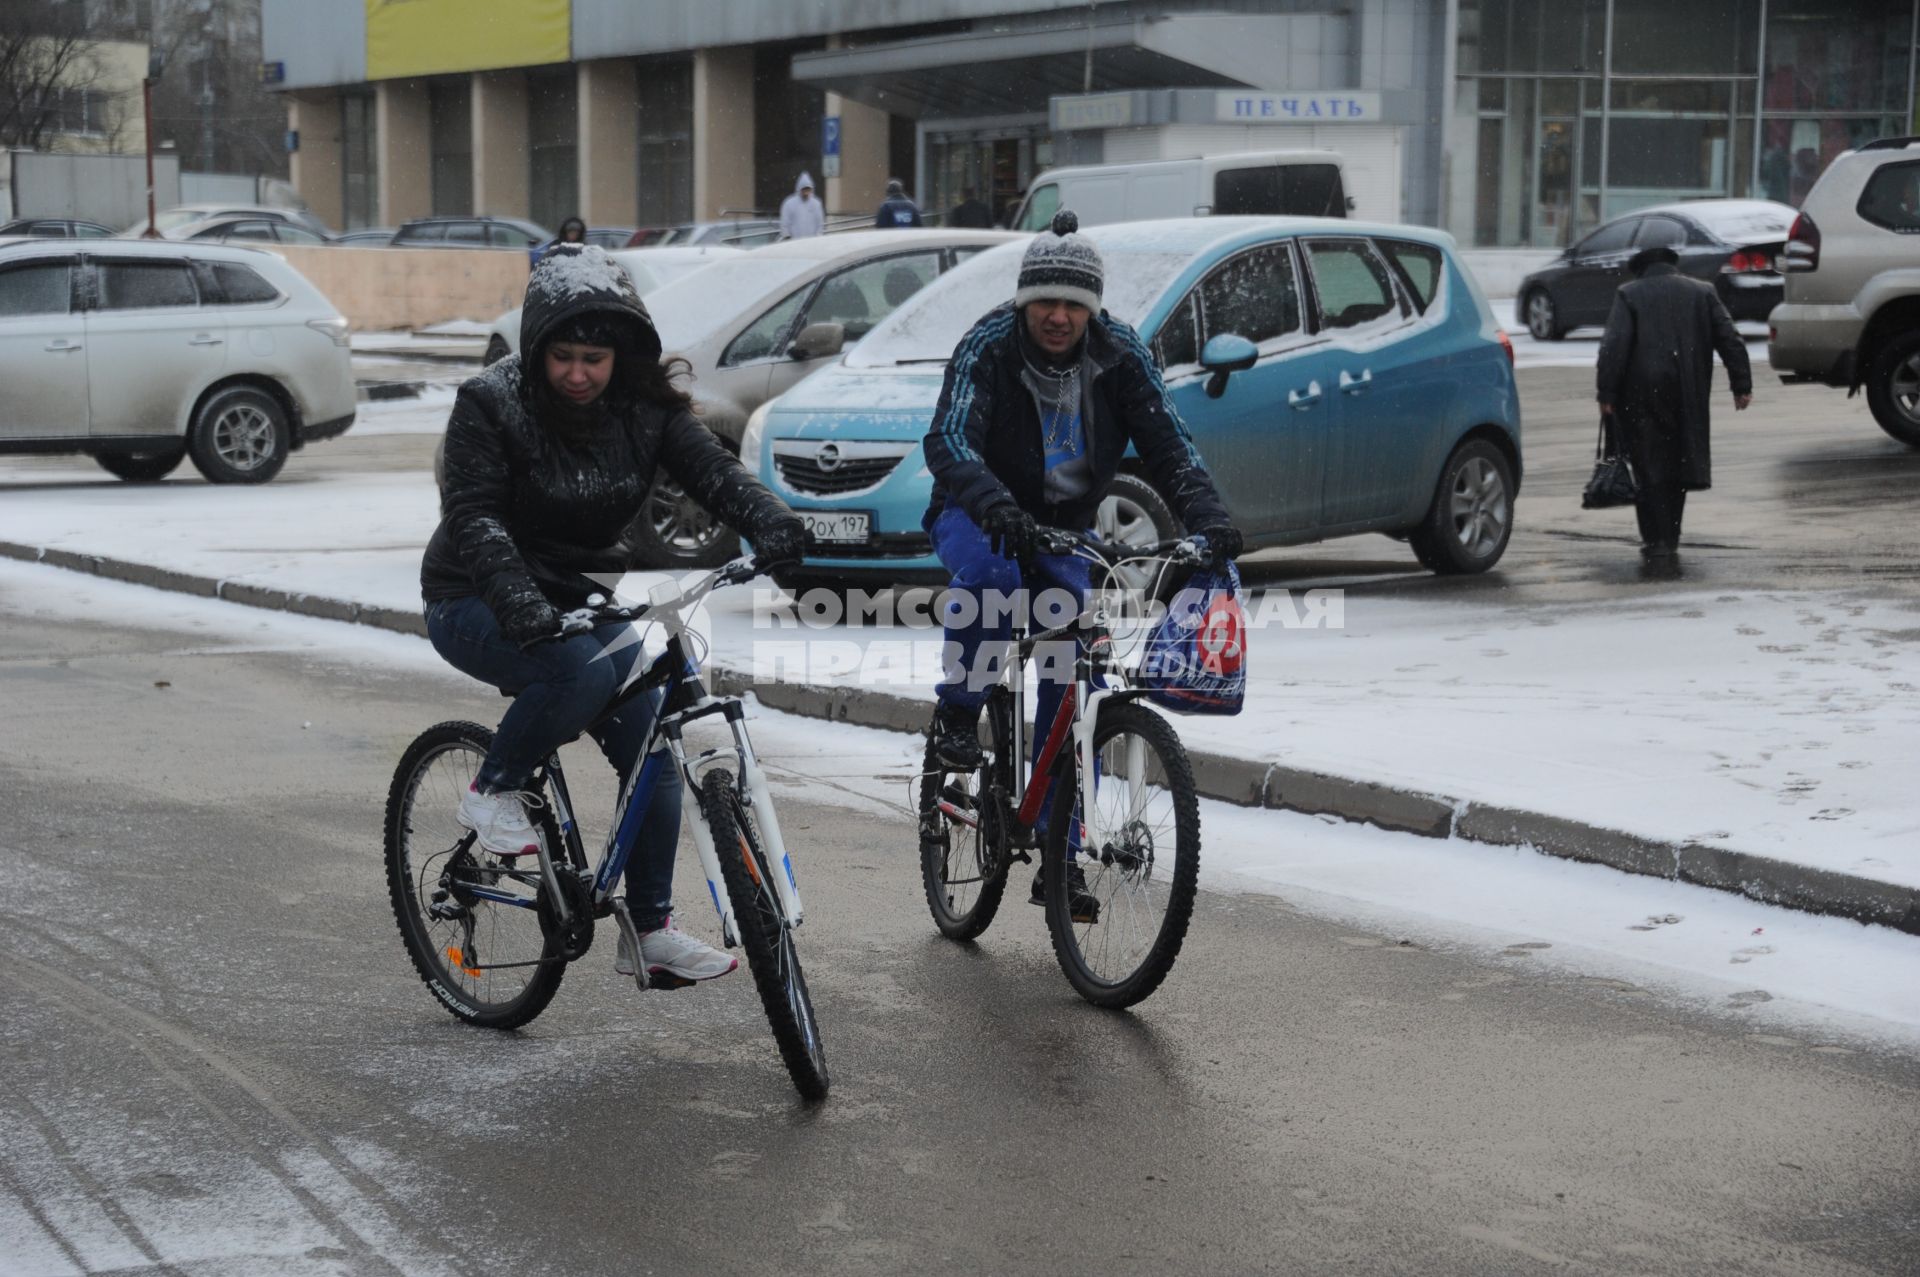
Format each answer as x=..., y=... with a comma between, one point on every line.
x=1509, y=122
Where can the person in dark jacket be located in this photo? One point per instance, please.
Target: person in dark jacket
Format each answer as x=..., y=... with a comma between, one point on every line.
x=1041, y=398
x=549, y=457
x=1654, y=379
x=896, y=211
x=971, y=212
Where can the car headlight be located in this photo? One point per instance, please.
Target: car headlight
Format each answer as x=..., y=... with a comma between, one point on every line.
x=754, y=436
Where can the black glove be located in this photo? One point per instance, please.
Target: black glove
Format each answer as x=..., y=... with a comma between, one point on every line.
x=1011, y=531
x=780, y=544
x=532, y=622
x=1224, y=543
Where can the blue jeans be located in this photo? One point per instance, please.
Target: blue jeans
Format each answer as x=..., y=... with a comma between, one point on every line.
x=559, y=689
x=978, y=636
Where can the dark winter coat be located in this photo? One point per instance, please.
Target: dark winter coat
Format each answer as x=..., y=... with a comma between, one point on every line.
x=535, y=494
x=985, y=446
x=897, y=212
x=1656, y=366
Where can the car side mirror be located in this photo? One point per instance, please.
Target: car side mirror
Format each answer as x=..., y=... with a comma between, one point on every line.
x=817, y=341
x=1224, y=354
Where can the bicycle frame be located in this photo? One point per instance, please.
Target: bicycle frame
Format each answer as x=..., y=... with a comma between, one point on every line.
x=687, y=700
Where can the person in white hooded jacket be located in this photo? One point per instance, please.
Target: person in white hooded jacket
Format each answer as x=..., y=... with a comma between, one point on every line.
x=800, y=213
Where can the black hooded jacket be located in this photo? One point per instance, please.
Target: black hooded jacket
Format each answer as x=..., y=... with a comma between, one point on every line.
x=536, y=492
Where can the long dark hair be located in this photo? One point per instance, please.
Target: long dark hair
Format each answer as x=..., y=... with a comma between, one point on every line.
x=658, y=382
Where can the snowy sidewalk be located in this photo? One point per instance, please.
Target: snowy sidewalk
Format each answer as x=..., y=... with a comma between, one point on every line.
x=1754, y=741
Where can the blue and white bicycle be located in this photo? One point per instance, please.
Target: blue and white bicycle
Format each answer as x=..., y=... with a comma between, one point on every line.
x=492, y=936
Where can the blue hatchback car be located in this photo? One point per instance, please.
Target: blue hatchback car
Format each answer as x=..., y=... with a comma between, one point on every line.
x=1337, y=378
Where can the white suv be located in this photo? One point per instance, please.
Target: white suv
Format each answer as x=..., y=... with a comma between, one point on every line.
x=1852, y=311
x=142, y=352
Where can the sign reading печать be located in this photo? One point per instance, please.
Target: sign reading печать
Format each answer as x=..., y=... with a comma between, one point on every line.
x=1231, y=107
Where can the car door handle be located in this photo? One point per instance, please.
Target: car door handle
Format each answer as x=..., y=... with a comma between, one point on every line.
x=1304, y=399
x=62, y=346
x=1352, y=385
x=202, y=339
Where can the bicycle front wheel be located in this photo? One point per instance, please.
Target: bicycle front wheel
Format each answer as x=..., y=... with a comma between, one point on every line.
x=1144, y=872
x=764, y=934
x=474, y=924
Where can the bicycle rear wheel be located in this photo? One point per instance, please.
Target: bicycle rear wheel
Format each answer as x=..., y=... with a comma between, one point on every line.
x=1145, y=872
x=764, y=934
x=963, y=849
x=477, y=926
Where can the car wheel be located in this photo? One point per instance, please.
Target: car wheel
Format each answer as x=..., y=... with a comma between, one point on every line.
x=675, y=532
x=1467, y=527
x=1132, y=513
x=496, y=350
x=1543, y=320
x=241, y=435
x=142, y=467
x=1893, y=388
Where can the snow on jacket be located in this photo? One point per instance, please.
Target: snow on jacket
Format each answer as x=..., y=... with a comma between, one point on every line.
x=1656, y=364
x=532, y=499
x=986, y=447
x=802, y=218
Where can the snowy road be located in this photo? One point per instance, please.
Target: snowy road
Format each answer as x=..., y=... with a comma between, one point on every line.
x=1446, y=1059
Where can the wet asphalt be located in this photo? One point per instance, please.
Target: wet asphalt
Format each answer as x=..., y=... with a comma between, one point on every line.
x=215, y=1058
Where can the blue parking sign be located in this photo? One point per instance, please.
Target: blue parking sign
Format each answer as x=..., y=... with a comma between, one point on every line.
x=830, y=135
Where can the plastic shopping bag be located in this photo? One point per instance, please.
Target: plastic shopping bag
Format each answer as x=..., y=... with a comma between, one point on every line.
x=1195, y=660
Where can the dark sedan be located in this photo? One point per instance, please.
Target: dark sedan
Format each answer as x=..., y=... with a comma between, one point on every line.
x=56, y=228
x=1735, y=245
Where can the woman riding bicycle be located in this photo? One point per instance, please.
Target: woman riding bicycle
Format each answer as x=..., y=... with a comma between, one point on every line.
x=1042, y=397
x=549, y=457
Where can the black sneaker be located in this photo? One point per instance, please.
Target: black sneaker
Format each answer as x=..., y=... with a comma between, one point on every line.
x=956, y=738
x=1081, y=902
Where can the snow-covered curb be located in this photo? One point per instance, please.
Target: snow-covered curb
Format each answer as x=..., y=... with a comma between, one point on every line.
x=1243, y=781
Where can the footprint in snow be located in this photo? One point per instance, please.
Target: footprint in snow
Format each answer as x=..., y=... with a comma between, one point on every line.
x=1832, y=813
x=1750, y=997
x=1657, y=920
x=1748, y=631
x=1748, y=955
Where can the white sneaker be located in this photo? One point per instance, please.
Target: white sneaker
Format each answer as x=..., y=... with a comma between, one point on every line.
x=499, y=822
x=671, y=951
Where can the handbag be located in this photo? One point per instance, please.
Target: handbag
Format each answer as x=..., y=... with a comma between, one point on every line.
x=1612, y=482
x=1195, y=660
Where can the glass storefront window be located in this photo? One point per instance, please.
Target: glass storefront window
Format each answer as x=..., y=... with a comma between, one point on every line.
x=450, y=115
x=1838, y=55
x=1528, y=36
x=665, y=140
x=553, y=132
x=359, y=162
x=1698, y=37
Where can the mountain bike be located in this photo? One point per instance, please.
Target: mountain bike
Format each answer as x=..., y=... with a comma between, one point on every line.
x=1137, y=841
x=492, y=936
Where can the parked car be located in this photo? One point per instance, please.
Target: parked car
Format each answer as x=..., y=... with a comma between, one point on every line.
x=56, y=228
x=471, y=232
x=172, y=219
x=366, y=237
x=1265, y=183
x=140, y=353
x=1337, y=377
x=649, y=268
x=610, y=236
x=750, y=232
x=1852, y=311
x=1734, y=245
x=258, y=230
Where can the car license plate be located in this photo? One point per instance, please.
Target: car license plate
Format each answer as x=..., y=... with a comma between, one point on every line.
x=839, y=526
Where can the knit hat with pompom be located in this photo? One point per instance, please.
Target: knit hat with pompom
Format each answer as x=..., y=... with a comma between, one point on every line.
x=1061, y=265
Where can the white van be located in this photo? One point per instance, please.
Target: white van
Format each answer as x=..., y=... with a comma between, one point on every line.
x=1264, y=183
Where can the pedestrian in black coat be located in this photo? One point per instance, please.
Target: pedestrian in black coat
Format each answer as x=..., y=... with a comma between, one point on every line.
x=1654, y=379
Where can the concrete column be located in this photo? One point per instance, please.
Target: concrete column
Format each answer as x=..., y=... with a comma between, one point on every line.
x=405, y=143
x=500, y=143
x=315, y=169
x=862, y=183
x=609, y=142
x=722, y=130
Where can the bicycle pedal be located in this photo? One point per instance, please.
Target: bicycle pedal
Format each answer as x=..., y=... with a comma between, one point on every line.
x=667, y=980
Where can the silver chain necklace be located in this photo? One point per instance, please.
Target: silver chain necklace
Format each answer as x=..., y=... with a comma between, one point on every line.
x=1066, y=391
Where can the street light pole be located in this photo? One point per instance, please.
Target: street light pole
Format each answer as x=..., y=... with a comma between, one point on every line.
x=156, y=62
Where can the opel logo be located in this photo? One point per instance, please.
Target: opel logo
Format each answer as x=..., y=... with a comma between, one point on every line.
x=828, y=458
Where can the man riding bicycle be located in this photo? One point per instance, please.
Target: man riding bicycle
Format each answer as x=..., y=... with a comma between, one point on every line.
x=1041, y=399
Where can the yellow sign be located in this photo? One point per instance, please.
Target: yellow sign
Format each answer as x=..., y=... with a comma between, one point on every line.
x=438, y=37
